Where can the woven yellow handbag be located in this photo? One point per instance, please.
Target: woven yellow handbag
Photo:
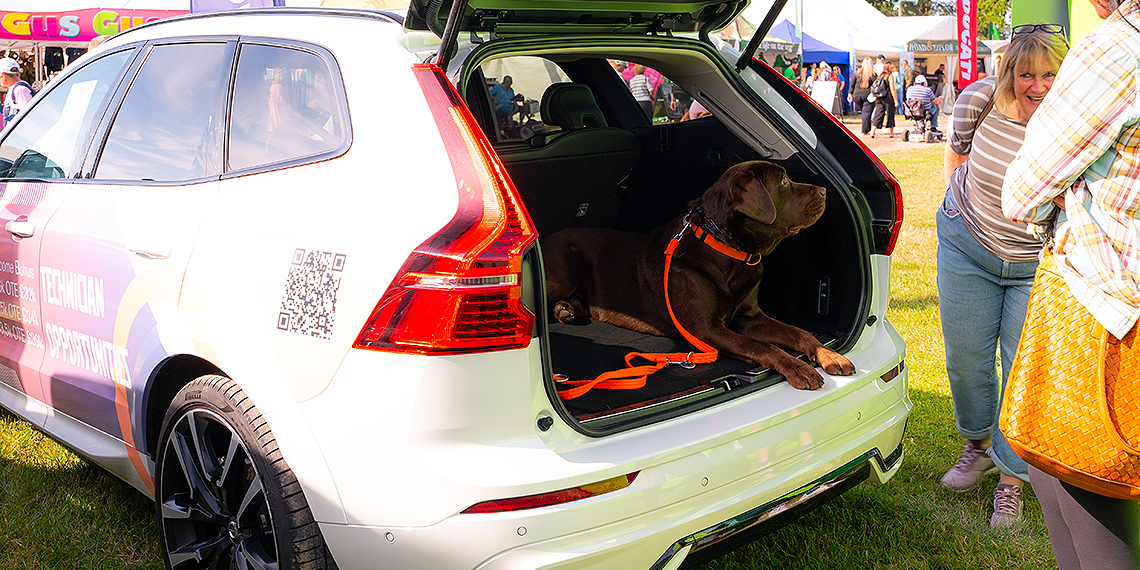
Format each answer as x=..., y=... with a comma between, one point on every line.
x=1072, y=403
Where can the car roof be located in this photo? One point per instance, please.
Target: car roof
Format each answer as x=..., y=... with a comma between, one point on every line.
x=298, y=23
x=525, y=17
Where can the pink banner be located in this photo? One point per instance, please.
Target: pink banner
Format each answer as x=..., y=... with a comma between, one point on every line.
x=967, y=15
x=75, y=25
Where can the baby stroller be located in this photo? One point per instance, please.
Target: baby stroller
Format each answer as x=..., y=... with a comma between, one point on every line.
x=916, y=109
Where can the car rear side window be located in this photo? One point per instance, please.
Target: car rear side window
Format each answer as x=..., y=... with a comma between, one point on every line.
x=165, y=127
x=284, y=107
x=49, y=140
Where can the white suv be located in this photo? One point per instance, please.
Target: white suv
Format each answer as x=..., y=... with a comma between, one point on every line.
x=280, y=270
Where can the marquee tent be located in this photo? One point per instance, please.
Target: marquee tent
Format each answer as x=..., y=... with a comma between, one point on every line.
x=857, y=27
x=813, y=50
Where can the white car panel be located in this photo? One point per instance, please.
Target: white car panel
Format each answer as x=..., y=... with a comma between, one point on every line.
x=266, y=276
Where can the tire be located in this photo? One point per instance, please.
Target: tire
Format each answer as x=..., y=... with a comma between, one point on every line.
x=906, y=135
x=212, y=516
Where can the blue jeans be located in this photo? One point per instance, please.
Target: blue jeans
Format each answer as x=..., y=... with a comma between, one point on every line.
x=982, y=300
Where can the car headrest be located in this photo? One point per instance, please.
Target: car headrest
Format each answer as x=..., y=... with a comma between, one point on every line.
x=571, y=106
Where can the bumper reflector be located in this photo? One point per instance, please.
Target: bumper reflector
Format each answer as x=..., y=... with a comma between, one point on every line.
x=552, y=498
x=893, y=373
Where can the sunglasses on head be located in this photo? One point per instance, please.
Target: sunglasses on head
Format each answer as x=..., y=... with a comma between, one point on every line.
x=1047, y=28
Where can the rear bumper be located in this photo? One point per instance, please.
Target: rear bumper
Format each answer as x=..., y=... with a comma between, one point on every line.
x=668, y=513
x=782, y=511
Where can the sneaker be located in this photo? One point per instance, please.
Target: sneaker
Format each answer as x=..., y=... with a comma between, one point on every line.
x=1007, y=506
x=971, y=467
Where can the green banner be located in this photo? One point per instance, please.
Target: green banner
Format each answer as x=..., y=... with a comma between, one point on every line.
x=1041, y=11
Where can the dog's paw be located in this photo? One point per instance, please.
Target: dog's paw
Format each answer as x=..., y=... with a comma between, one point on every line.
x=834, y=363
x=564, y=312
x=804, y=377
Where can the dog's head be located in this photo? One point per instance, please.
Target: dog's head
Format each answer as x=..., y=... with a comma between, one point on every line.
x=758, y=205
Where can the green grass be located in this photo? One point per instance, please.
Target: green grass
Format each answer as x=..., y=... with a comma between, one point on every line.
x=912, y=522
x=57, y=511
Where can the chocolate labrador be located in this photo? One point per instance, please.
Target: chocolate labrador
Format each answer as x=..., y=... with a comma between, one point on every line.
x=617, y=277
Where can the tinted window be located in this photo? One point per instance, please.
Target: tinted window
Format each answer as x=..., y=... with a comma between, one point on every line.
x=48, y=141
x=284, y=107
x=165, y=127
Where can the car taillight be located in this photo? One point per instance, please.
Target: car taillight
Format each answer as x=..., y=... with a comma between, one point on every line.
x=553, y=498
x=897, y=227
x=461, y=290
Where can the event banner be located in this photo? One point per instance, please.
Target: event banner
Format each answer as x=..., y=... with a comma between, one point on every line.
x=967, y=16
x=75, y=25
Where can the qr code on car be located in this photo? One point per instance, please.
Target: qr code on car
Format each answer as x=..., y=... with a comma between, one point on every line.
x=309, y=304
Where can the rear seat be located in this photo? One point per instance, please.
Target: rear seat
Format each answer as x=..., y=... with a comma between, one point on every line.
x=575, y=177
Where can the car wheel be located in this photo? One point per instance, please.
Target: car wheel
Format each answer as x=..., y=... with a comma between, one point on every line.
x=224, y=496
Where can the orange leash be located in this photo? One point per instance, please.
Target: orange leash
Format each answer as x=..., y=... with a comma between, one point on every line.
x=634, y=377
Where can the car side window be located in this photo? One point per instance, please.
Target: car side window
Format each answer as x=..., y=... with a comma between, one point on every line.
x=49, y=140
x=284, y=107
x=165, y=129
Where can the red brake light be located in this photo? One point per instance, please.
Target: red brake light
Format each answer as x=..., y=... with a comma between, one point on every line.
x=897, y=228
x=461, y=290
x=553, y=498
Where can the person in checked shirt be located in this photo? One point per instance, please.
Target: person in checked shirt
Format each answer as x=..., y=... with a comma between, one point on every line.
x=1082, y=154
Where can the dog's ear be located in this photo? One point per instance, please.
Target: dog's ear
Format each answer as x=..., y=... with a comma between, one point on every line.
x=751, y=198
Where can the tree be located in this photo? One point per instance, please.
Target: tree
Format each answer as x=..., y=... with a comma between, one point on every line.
x=994, y=14
x=991, y=13
x=915, y=8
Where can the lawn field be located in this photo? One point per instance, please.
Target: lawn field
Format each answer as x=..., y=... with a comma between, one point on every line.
x=912, y=522
x=59, y=512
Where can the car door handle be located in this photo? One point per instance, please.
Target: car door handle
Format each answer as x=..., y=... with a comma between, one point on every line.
x=150, y=254
x=22, y=229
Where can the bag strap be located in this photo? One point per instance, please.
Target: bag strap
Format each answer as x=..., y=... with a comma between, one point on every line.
x=1102, y=401
x=985, y=111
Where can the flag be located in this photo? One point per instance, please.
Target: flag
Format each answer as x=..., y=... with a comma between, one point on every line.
x=967, y=16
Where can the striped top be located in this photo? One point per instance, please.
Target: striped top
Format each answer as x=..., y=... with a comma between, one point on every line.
x=976, y=185
x=1084, y=142
x=640, y=86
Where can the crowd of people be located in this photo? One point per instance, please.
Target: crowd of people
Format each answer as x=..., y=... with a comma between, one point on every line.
x=893, y=84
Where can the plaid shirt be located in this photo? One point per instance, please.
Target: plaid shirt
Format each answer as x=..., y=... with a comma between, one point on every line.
x=1084, y=142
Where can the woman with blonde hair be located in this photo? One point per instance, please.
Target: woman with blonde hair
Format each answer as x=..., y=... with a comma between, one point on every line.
x=986, y=262
x=857, y=93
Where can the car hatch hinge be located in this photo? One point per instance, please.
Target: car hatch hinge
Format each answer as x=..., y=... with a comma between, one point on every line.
x=486, y=21
x=664, y=23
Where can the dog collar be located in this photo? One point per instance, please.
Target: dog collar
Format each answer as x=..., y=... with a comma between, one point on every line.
x=707, y=237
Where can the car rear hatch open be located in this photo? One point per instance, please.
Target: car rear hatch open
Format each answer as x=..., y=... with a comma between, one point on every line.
x=830, y=298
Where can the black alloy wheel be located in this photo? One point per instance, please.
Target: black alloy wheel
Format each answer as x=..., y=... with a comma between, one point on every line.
x=224, y=499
